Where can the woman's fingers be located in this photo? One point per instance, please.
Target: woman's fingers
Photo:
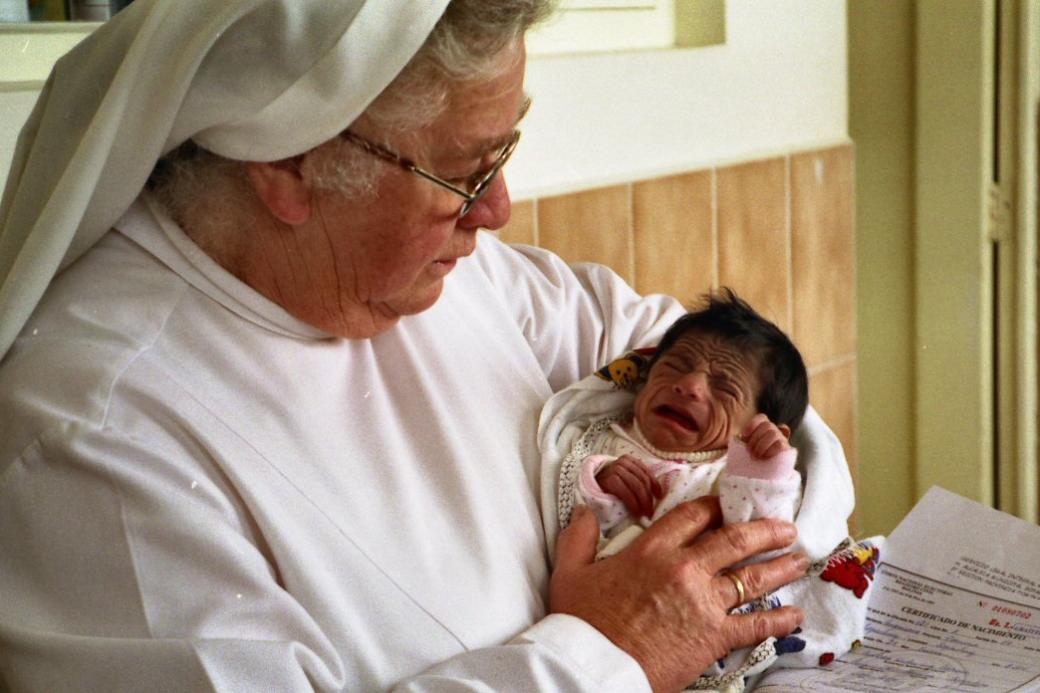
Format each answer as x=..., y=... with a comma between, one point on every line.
x=732, y=544
x=738, y=586
x=683, y=524
x=745, y=630
x=576, y=543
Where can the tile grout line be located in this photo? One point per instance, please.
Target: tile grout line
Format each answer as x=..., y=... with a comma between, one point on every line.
x=789, y=245
x=714, y=228
x=535, y=234
x=631, y=233
x=836, y=362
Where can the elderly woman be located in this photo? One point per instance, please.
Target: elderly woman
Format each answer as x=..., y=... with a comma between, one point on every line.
x=268, y=403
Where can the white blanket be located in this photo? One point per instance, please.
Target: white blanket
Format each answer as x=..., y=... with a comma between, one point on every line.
x=828, y=497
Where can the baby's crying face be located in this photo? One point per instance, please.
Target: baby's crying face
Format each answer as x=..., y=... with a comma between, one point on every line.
x=698, y=394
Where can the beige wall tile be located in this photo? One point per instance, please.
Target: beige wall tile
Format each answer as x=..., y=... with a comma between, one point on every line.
x=593, y=226
x=521, y=228
x=752, y=235
x=832, y=392
x=660, y=231
x=823, y=254
x=671, y=224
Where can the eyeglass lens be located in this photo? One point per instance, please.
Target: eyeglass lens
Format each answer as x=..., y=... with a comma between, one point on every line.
x=484, y=184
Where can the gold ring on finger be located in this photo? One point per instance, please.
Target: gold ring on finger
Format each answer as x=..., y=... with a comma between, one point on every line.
x=738, y=584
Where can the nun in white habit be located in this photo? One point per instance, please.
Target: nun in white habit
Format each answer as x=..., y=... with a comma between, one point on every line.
x=302, y=458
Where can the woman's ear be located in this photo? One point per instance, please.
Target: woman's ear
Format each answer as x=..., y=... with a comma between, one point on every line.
x=280, y=186
x=786, y=430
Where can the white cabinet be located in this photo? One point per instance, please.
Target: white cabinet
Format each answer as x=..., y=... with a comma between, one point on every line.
x=27, y=53
x=594, y=26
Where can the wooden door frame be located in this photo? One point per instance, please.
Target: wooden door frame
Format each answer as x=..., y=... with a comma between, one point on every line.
x=975, y=252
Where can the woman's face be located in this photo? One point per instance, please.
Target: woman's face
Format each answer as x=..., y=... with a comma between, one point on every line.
x=361, y=262
x=699, y=394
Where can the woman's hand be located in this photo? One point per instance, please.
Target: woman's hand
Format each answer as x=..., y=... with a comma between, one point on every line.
x=664, y=599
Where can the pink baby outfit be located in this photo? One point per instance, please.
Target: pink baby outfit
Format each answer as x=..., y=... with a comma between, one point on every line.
x=747, y=488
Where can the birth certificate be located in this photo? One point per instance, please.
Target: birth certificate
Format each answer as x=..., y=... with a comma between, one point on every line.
x=955, y=608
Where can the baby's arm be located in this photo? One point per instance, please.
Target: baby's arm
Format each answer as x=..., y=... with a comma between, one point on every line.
x=760, y=479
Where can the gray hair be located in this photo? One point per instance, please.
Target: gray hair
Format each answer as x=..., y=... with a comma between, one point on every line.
x=466, y=45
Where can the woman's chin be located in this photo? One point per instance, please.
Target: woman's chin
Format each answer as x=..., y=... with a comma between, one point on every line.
x=418, y=298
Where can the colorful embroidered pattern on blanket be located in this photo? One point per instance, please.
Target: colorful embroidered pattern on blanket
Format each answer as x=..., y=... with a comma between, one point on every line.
x=628, y=371
x=852, y=567
x=849, y=556
x=571, y=466
x=848, y=553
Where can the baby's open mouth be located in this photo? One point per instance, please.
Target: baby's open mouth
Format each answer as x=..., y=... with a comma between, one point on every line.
x=678, y=417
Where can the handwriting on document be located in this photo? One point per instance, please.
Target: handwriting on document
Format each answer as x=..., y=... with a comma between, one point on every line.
x=972, y=643
x=944, y=617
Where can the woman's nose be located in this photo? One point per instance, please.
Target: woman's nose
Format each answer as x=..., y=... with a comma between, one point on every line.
x=693, y=384
x=492, y=210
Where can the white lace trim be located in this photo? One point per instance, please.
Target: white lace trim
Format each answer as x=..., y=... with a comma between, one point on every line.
x=698, y=456
x=571, y=466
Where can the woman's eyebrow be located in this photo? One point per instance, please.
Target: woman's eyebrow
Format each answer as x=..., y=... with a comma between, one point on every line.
x=525, y=106
x=493, y=144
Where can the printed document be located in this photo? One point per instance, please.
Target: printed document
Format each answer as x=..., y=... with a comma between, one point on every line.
x=955, y=607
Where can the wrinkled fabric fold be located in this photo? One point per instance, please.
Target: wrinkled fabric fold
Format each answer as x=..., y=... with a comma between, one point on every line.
x=256, y=80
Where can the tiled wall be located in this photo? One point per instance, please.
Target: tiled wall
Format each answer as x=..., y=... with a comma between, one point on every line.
x=779, y=231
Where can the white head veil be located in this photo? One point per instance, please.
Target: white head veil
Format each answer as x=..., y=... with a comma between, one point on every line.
x=254, y=80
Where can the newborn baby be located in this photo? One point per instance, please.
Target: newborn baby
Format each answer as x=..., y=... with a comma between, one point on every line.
x=714, y=407
x=724, y=391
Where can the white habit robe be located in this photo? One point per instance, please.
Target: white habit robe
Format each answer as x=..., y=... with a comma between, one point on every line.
x=200, y=492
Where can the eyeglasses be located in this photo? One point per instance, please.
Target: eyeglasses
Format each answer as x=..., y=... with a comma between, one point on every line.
x=480, y=182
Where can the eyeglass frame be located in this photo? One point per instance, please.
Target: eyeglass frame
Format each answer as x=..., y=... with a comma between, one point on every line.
x=471, y=198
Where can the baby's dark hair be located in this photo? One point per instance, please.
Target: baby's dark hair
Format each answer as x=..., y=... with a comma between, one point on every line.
x=781, y=371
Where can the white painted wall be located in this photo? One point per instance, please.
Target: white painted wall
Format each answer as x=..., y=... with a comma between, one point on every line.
x=14, y=109
x=778, y=83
